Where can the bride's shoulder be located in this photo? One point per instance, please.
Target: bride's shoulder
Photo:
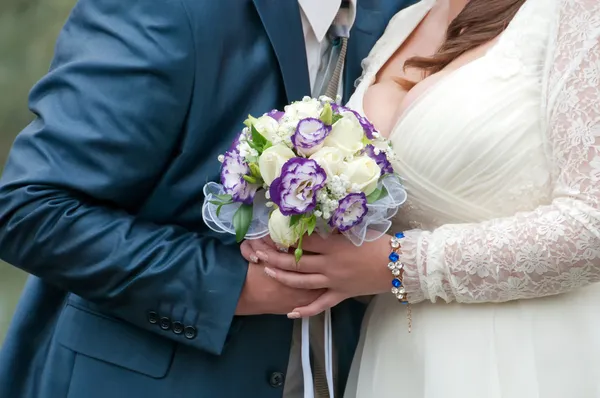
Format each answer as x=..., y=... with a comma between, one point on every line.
x=405, y=19
x=402, y=22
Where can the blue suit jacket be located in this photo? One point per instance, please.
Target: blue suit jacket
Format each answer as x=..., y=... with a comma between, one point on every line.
x=101, y=201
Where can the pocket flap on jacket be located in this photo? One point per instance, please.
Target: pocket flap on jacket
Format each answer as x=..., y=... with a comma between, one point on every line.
x=114, y=341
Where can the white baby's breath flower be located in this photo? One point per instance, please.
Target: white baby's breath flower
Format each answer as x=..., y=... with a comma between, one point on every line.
x=269, y=204
x=308, y=107
x=221, y=158
x=322, y=196
x=318, y=213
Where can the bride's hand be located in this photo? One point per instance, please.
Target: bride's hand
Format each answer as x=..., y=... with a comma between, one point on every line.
x=249, y=248
x=335, y=264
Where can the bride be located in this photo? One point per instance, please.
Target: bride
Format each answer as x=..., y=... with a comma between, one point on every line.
x=498, y=140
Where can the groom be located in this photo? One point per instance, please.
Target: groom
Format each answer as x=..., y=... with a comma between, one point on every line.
x=101, y=197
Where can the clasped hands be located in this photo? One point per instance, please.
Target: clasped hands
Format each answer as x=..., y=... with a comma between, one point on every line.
x=330, y=271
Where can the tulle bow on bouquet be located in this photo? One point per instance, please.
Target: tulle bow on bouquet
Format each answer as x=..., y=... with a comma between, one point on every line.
x=316, y=167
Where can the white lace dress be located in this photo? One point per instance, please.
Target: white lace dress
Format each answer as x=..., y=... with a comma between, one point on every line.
x=502, y=166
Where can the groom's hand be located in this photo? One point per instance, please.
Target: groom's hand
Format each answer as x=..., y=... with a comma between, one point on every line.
x=264, y=295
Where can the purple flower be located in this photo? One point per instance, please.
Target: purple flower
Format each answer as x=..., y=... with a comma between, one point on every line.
x=275, y=114
x=381, y=159
x=309, y=136
x=350, y=212
x=235, y=143
x=364, y=122
x=295, y=191
x=232, y=178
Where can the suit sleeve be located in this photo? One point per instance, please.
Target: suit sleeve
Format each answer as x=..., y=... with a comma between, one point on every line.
x=108, y=118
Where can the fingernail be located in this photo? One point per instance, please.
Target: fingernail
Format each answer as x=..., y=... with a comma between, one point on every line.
x=294, y=315
x=253, y=258
x=262, y=255
x=270, y=272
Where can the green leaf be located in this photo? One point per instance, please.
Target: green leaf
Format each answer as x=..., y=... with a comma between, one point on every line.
x=254, y=146
x=327, y=114
x=241, y=222
x=220, y=203
x=311, y=224
x=248, y=122
x=219, y=210
x=258, y=138
x=224, y=198
x=250, y=179
x=336, y=118
x=366, y=141
x=376, y=195
x=295, y=220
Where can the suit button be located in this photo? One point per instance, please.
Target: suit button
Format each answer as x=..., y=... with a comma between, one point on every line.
x=165, y=323
x=152, y=317
x=276, y=379
x=189, y=332
x=177, y=327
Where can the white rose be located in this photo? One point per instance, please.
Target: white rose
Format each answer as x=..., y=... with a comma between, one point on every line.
x=330, y=159
x=280, y=230
x=347, y=135
x=272, y=160
x=268, y=127
x=363, y=173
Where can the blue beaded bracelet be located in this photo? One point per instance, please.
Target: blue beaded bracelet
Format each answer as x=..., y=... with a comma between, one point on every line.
x=397, y=268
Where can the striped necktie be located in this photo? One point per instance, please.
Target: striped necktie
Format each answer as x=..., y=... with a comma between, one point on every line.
x=328, y=79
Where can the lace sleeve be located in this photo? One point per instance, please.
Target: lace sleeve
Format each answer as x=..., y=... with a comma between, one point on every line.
x=555, y=248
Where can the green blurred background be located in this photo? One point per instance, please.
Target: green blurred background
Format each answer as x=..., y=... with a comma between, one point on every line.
x=28, y=30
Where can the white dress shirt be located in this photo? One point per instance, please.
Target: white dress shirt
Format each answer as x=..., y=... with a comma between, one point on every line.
x=317, y=17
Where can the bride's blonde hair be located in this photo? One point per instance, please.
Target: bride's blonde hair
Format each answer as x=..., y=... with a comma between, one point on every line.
x=478, y=23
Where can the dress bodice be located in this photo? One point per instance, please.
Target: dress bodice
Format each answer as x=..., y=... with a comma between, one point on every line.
x=471, y=147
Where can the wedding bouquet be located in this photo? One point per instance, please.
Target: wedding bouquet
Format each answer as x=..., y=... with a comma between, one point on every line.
x=314, y=167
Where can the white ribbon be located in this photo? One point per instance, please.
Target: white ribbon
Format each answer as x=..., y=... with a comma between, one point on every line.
x=309, y=391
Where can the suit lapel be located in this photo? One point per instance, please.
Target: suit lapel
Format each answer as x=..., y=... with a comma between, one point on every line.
x=281, y=19
x=368, y=27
